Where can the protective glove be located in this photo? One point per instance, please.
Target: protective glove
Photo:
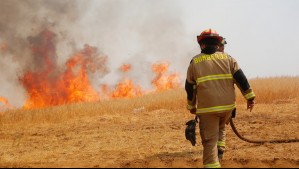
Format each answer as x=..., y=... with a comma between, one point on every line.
x=250, y=104
x=190, y=131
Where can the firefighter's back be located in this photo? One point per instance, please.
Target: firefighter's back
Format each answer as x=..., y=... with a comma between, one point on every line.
x=214, y=80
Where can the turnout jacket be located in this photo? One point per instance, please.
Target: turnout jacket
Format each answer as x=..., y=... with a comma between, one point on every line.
x=210, y=83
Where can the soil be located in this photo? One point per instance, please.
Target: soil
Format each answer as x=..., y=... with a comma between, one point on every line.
x=151, y=139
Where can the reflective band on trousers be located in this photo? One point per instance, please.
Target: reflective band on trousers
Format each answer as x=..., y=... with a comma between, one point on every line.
x=214, y=77
x=249, y=95
x=215, y=165
x=216, y=109
x=221, y=143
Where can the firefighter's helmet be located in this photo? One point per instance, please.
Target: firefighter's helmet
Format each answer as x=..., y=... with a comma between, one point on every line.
x=223, y=41
x=209, y=33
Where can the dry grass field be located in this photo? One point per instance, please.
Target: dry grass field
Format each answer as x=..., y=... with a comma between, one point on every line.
x=148, y=131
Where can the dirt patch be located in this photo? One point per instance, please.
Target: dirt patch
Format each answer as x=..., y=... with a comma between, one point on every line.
x=151, y=139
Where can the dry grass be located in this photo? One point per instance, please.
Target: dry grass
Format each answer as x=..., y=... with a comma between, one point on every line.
x=172, y=99
x=275, y=90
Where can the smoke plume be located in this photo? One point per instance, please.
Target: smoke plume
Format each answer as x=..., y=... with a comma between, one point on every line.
x=136, y=32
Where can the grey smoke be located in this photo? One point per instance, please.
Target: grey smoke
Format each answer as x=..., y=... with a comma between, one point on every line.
x=19, y=20
x=140, y=32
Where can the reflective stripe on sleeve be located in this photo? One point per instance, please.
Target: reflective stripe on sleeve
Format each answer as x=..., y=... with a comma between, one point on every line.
x=249, y=96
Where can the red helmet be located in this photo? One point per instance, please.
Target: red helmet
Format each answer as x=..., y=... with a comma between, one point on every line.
x=209, y=33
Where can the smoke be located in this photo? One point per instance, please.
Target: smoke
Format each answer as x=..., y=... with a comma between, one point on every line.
x=138, y=32
x=20, y=20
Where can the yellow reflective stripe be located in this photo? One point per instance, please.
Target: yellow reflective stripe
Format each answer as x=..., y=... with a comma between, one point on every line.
x=214, y=77
x=216, y=108
x=215, y=165
x=249, y=96
x=190, y=107
x=221, y=143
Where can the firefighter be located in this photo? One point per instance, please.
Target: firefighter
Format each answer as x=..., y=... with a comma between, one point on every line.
x=211, y=95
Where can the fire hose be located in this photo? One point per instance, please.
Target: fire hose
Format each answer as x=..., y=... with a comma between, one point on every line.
x=190, y=133
x=277, y=141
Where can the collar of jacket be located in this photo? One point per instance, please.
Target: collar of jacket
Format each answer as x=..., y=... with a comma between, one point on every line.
x=209, y=50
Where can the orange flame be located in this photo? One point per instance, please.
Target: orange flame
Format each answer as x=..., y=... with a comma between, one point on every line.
x=48, y=84
x=52, y=86
x=4, y=101
x=126, y=89
x=164, y=81
x=5, y=104
x=126, y=67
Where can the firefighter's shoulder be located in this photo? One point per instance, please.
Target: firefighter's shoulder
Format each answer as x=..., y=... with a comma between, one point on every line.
x=192, y=60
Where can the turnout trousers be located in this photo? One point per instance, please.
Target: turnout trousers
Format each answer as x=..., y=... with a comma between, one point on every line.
x=213, y=136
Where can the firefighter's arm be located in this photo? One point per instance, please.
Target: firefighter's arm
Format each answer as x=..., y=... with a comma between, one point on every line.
x=243, y=84
x=191, y=96
x=190, y=87
x=245, y=88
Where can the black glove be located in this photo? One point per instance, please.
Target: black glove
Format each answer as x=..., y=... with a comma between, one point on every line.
x=190, y=131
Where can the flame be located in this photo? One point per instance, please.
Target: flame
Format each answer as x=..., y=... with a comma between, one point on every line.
x=126, y=88
x=164, y=81
x=5, y=104
x=125, y=67
x=3, y=100
x=79, y=87
x=51, y=85
x=48, y=84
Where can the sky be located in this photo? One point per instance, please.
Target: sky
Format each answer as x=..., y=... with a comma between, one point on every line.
x=262, y=35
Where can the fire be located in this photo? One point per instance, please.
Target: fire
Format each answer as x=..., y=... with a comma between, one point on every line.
x=126, y=88
x=50, y=85
x=126, y=67
x=164, y=81
x=75, y=77
x=4, y=104
x=4, y=101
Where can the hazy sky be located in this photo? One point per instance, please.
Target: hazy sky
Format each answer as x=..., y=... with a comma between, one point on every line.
x=262, y=35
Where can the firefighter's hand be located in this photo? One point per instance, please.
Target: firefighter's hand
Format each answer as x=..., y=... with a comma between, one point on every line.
x=193, y=111
x=250, y=105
